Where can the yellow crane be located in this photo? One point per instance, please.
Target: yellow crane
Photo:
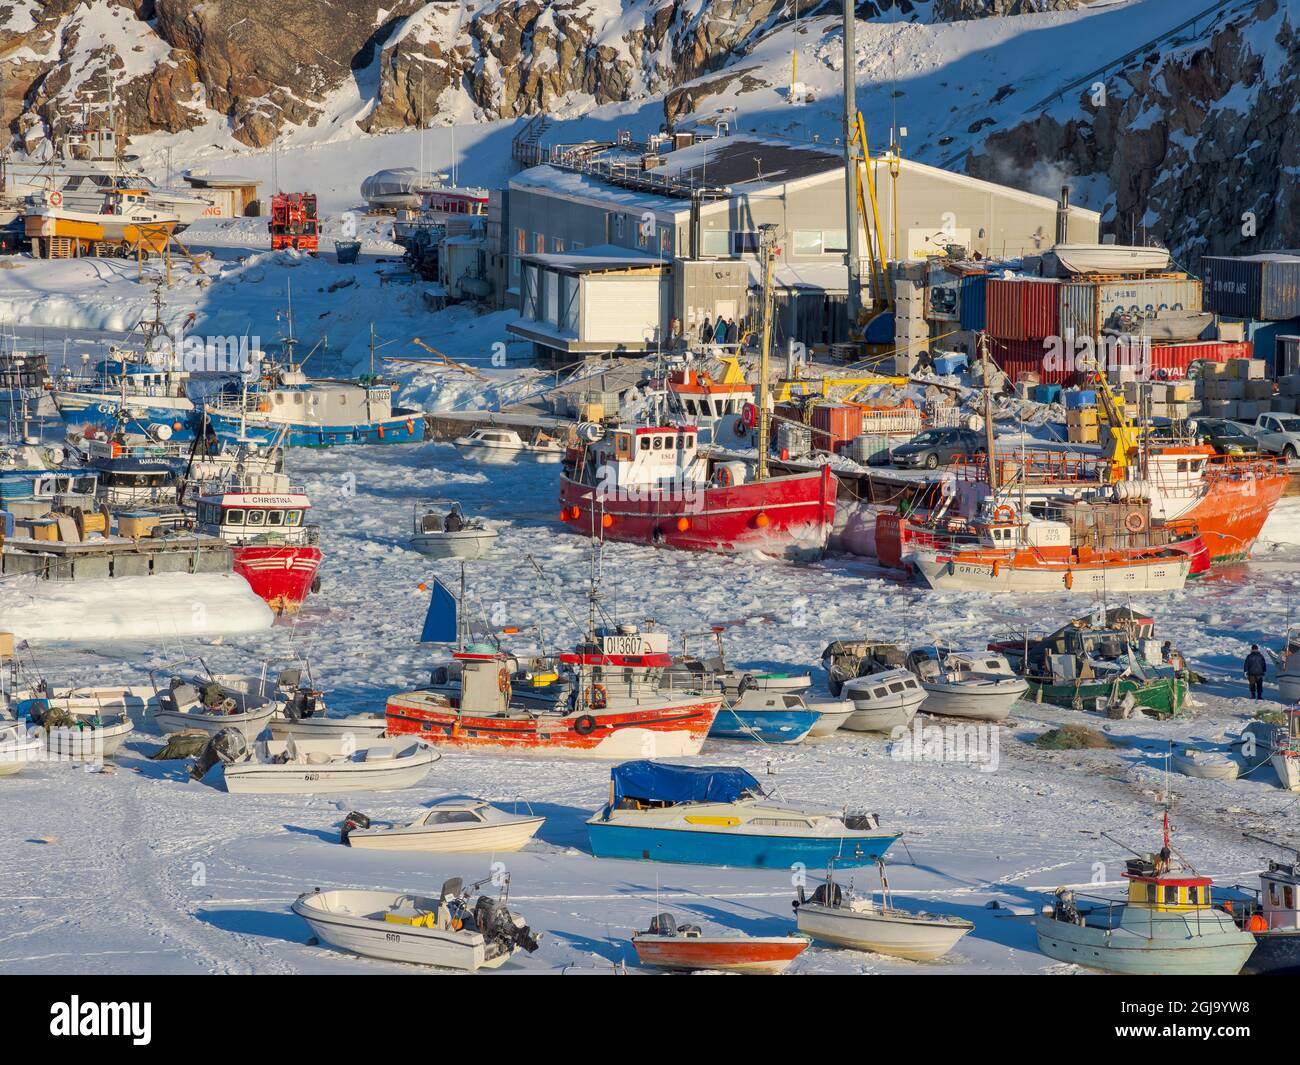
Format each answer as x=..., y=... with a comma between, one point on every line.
x=1124, y=444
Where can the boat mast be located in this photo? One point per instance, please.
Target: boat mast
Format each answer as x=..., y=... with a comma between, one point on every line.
x=988, y=414
x=854, y=301
x=767, y=243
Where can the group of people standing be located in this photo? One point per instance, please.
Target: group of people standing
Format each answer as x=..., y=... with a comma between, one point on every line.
x=723, y=331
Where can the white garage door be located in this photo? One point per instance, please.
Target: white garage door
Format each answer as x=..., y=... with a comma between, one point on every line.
x=619, y=309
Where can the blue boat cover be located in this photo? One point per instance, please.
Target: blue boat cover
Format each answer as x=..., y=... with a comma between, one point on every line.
x=658, y=782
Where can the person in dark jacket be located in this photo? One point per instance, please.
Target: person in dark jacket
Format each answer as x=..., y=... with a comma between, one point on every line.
x=455, y=519
x=1255, y=666
x=706, y=331
x=731, y=331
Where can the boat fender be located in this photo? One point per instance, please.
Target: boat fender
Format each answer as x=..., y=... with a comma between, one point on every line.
x=599, y=697
x=584, y=725
x=410, y=425
x=1069, y=579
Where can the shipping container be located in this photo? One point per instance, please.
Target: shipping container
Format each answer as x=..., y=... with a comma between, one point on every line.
x=1264, y=286
x=834, y=425
x=973, y=301
x=1022, y=308
x=1160, y=362
x=1086, y=306
x=1262, y=336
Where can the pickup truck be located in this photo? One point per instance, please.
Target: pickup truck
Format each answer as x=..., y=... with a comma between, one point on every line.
x=1278, y=434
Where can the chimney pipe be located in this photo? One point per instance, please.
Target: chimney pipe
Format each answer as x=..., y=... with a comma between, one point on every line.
x=1063, y=216
x=696, y=195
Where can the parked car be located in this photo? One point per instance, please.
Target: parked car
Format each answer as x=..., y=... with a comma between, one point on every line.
x=1225, y=436
x=938, y=447
x=1278, y=434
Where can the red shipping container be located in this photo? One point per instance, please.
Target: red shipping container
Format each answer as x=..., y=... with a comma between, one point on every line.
x=1172, y=360
x=1015, y=357
x=1023, y=308
x=1160, y=362
x=835, y=425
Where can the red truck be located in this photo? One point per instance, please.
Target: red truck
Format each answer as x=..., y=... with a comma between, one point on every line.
x=293, y=222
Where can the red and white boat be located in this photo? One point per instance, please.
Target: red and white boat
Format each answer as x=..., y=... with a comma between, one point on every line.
x=265, y=518
x=685, y=948
x=616, y=709
x=1059, y=545
x=651, y=484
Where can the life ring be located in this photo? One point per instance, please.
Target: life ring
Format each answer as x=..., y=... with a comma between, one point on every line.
x=584, y=725
x=749, y=416
x=56, y=199
x=599, y=697
x=1005, y=513
x=723, y=477
x=1135, y=522
x=503, y=680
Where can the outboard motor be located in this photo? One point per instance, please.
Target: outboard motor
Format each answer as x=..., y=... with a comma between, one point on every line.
x=354, y=820
x=226, y=746
x=499, y=926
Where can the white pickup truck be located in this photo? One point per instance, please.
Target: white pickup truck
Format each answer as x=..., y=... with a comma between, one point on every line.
x=1278, y=434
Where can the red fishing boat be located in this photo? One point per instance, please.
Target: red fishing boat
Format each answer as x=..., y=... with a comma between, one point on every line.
x=275, y=550
x=615, y=709
x=685, y=948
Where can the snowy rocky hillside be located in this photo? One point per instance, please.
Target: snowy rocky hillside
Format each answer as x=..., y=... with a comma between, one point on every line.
x=1004, y=88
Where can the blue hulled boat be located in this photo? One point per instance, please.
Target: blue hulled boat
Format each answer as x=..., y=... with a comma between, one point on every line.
x=719, y=815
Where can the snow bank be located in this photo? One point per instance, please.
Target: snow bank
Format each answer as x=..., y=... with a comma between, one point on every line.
x=166, y=606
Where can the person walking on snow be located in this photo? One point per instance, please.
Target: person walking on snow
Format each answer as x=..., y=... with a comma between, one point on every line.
x=1255, y=666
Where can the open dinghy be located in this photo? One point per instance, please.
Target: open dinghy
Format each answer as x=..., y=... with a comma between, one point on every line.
x=215, y=702
x=447, y=931
x=452, y=826
x=834, y=915
x=18, y=748
x=1206, y=764
x=300, y=767
x=685, y=948
x=81, y=724
x=301, y=713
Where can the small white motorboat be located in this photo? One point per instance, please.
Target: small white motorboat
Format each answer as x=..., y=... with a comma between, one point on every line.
x=216, y=702
x=980, y=685
x=834, y=716
x=496, y=445
x=84, y=724
x=732, y=681
x=453, y=536
x=445, y=931
x=1206, y=764
x=451, y=826
x=308, y=767
x=18, y=748
x=834, y=915
x=1110, y=258
x=883, y=701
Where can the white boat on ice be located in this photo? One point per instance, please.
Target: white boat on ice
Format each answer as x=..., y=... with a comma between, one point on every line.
x=445, y=931
x=495, y=445
x=1206, y=764
x=970, y=684
x=452, y=536
x=883, y=701
x=308, y=767
x=838, y=916
x=18, y=748
x=215, y=702
x=451, y=826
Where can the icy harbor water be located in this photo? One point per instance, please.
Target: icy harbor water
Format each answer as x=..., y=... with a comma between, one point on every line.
x=136, y=869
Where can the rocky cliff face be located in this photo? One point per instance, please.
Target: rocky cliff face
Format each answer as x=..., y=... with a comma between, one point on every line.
x=176, y=64
x=1199, y=144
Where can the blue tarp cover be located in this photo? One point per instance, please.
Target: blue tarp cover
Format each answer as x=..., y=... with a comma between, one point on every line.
x=658, y=782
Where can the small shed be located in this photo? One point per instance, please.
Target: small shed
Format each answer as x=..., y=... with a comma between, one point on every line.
x=232, y=196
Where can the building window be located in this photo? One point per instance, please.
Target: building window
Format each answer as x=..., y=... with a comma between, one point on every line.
x=539, y=242
x=715, y=242
x=745, y=242
x=808, y=242
x=557, y=245
x=835, y=241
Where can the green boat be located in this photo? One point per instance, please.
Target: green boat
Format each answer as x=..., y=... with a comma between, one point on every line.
x=1095, y=663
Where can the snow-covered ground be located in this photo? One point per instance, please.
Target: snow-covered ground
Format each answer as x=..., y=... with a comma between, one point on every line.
x=137, y=869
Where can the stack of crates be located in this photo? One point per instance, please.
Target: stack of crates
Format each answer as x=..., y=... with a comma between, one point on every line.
x=1236, y=389
x=1081, y=425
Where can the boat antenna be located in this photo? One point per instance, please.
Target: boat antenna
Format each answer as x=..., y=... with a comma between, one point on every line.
x=1272, y=843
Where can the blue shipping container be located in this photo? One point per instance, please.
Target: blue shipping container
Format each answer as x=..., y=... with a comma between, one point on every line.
x=972, y=313
x=1078, y=398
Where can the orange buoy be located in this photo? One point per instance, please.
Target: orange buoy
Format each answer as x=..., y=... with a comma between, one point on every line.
x=410, y=425
x=178, y=426
x=762, y=520
x=606, y=521
x=575, y=513
x=564, y=514
x=1069, y=579
x=997, y=567
x=683, y=524
x=422, y=586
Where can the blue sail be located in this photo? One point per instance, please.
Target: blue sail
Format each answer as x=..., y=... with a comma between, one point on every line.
x=440, y=622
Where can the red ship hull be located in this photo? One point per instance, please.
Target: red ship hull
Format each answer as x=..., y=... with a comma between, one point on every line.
x=281, y=575
x=790, y=516
x=1233, y=512
x=661, y=732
